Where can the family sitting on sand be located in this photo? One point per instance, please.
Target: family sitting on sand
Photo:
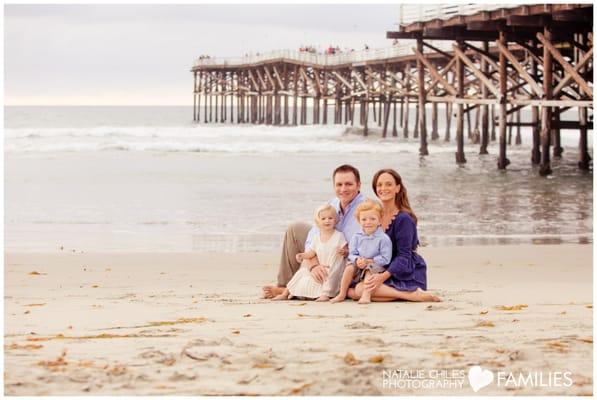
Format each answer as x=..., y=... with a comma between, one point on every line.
x=359, y=248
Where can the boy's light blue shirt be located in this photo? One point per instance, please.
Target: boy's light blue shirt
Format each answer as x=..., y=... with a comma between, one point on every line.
x=347, y=223
x=377, y=246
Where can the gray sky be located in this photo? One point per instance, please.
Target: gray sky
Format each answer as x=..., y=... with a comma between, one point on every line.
x=142, y=54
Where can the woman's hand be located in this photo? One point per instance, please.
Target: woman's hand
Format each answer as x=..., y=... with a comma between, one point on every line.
x=300, y=257
x=343, y=251
x=374, y=281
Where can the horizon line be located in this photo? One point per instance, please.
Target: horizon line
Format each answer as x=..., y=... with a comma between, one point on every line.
x=98, y=105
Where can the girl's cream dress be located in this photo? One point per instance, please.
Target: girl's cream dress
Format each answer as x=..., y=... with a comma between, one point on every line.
x=302, y=283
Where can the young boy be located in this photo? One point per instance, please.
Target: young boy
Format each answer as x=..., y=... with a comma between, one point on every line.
x=369, y=250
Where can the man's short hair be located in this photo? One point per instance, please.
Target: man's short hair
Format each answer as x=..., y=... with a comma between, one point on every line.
x=347, y=168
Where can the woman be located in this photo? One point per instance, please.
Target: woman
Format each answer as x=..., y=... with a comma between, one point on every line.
x=405, y=277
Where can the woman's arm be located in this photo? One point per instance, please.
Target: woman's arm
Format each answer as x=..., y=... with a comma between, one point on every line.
x=402, y=266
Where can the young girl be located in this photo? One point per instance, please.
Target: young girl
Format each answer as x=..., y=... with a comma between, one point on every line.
x=324, y=246
x=369, y=251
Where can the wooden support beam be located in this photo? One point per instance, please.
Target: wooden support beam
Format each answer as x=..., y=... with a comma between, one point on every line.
x=460, y=158
x=341, y=79
x=502, y=159
x=422, y=120
x=357, y=77
x=520, y=69
x=269, y=78
x=434, y=73
x=477, y=73
x=445, y=71
x=438, y=51
x=317, y=81
x=578, y=67
x=280, y=84
x=555, y=53
x=264, y=85
x=546, y=112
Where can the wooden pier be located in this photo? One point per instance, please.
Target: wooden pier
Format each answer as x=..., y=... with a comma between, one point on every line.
x=492, y=63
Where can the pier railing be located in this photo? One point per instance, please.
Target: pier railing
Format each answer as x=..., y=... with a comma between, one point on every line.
x=419, y=13
x=344, y=57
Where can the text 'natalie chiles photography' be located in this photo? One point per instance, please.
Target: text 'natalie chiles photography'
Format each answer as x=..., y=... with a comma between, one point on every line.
x=288, y=200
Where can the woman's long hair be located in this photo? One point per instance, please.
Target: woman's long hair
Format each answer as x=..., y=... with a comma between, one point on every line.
x=401, y=197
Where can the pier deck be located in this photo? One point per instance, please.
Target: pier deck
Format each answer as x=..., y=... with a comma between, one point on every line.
x=471, y=59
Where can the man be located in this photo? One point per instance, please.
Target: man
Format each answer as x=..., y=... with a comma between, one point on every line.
x=347, y=185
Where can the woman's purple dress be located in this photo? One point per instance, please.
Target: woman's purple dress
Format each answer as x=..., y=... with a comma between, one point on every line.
x=407, y=267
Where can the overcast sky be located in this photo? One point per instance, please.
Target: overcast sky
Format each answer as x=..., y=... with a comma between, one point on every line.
x=142, y=54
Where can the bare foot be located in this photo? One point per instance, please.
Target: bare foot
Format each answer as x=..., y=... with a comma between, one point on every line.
x=322, y=298
x=338, y=299
x=283, y=296
x=365, y=298
x=426, y=296
x=269, y=292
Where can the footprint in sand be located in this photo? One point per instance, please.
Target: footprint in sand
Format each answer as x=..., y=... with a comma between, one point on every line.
x=362, y=325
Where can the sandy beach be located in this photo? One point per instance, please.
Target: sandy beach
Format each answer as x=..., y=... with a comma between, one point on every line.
x=193, y=323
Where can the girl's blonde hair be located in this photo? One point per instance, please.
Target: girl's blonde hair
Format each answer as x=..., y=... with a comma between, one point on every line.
x=368, y=205
x=325, y=207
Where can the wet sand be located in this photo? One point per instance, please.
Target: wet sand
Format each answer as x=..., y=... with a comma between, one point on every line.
x=193, y=323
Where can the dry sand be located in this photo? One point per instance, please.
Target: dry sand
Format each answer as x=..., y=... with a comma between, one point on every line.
x=78, y=323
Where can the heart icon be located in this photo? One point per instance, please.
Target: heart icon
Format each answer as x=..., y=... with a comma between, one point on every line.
x=479, y=377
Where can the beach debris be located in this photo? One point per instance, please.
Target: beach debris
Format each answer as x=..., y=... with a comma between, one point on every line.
x=160, y=357
x=199, y=356
x=515, y=355
x=515, y=320
x=197, y=320
x=36, y=273
x=247, y=315
x=28, y=346
x=177, y=376
x=483, y=312
x=443, y=354
x=350, y=359
x=517, y=307
x=586, y=340
x=362, y=325
x=376, y=359
x=246, y=381
x=61, y=336
x=298, y=304
x=58, y=362
x=371, y=341
x=563, y=312
x=589, y=306
x=27, y=312
x=35, y=305
x=558, y=346
x=485, y=324
x=117, y=370
x=299, y=390
x=263, y=365
x=94, y=286
x=236, y=332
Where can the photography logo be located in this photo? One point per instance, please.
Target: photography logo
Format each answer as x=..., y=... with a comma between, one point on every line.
x=478, y=377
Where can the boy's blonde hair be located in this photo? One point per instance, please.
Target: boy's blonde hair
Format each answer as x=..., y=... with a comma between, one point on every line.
x=325, y=207
x=368, y=205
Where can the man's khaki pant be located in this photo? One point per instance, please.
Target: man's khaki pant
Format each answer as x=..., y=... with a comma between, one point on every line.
x=294, y=243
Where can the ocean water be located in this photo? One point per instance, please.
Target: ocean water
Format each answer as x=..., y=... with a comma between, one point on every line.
x=149, y=179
